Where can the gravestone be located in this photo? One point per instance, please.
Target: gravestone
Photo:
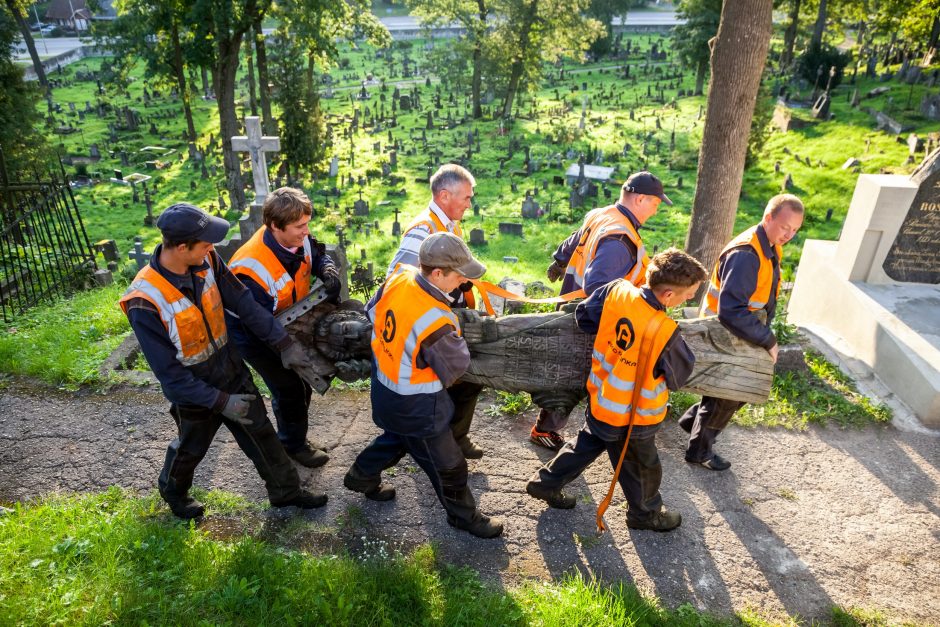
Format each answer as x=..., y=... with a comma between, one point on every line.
x=256, y=146
x=874, y=294
x=530, y=207
x=108, y=249
x=510, y=228
x=477, y=237
x=361, y=207
x=141, y=257
x=334, y=166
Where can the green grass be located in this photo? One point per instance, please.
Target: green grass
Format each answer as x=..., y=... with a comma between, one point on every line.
x=63, y=343
x=113, y=558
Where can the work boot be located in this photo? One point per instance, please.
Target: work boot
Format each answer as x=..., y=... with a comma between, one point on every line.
x=185, y=507
x=309, y=456
x=660, y=521
x=303, y=500
x=555, y=498
x=371, y=487
x=470, y=450
x=481, y=526
x=715, y=462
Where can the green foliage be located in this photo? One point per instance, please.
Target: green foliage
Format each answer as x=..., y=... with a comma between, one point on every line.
x=822, y=395
x=23, y=146
x=509, y=403
x=64, y=343
x=115, y=558
x=825, y=57
x=760, y=124
x=690, y=39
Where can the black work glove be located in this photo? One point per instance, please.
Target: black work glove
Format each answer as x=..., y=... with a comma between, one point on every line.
x=555, y=271
x=237, y=406
x=331, y=282
x=295, y=357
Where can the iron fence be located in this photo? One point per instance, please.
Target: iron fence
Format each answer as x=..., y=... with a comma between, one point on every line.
x=44, y=249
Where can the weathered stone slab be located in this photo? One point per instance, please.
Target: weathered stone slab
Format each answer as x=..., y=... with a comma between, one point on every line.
x=915, y=255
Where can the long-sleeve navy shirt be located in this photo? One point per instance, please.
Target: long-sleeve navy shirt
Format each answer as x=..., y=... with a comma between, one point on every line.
x=674, y=364
x=738, y=272
x=180, y=384
x=614, y=256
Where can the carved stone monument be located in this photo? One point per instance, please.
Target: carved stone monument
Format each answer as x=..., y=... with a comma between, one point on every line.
x=873, y=296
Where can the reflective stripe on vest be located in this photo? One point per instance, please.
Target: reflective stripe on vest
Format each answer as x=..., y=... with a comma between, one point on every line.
x=598, y=224
x=625, y=318
x=432, y=221
x=404, y=316
x=183, y=321
x=257, y=261
x=765, y=274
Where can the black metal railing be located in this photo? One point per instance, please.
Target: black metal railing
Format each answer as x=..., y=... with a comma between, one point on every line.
x=44, y=249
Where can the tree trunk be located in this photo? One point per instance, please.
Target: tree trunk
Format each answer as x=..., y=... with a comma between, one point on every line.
x=789, y=37
x=181, y=81
x=252, y=96
x=224, y=81
x=700, y=77
x=820, y=27
x=264, y=92
x=738, y=56
x=476, y=82
x=515, y=72
x=311, y=83
x=205, y=82
x=30, y=43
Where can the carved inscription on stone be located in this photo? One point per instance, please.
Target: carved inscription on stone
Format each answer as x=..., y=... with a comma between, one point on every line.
x=915, y=255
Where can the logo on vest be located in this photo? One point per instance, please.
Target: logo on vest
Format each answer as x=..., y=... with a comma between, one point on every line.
x=625, y=335
x=388, y=333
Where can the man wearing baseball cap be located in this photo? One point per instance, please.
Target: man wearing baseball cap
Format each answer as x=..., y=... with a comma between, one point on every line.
x=607, y=247
x=175, y=307
x=417, y=353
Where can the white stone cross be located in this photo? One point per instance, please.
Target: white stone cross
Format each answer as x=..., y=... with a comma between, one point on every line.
x=256, y=145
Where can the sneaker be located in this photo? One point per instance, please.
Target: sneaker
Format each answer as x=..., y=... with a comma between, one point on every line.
x=548, y=439
x=715, y=462
x=369, y=487
x=554, y=498
x=309, y=456
x=481, y=527
x=660, y=521
x=303, y=500
x=470, y=450
x=186, y=507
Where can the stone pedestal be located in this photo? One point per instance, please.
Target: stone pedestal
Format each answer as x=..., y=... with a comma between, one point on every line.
x=844, y=294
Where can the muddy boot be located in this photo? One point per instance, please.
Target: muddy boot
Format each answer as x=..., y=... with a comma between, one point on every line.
x=185, y=507
x=371, y=487
x=481, y=526
x=304, y=500
x=309, y=456
x=660, y=521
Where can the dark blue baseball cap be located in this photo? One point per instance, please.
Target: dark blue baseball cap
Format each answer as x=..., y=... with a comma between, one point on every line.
x=646, y=183
x=183, y=222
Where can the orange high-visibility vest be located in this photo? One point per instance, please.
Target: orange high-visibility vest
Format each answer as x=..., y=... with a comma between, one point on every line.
x=255, y=260
x=401, y=320
x=615, y=357
x=765, y=275
x=598, y=224
x=434, y=224
x=183, y=321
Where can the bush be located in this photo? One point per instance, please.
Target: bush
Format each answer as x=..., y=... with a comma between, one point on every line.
x=825, y=56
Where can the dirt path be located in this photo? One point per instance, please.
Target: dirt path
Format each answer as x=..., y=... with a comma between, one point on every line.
x=801, y=522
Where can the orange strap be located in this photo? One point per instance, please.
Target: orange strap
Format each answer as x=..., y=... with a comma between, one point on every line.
x=651, y=331
x=486, y=289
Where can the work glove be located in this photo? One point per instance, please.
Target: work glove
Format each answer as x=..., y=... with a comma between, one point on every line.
x=555, y=271
x=331, y=282
x=237, y=406
x=295, y=357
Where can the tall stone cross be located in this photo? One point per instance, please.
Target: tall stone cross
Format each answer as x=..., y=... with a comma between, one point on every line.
x=256, y=145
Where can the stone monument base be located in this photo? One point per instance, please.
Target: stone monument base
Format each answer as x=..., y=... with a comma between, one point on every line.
x=893, y=329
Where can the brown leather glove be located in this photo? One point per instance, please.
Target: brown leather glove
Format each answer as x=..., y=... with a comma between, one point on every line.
x=555, y=271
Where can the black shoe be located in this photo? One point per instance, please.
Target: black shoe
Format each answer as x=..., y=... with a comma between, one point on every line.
x=372, y=488
x=660, y=521
x=554, y=498
x=185, y=507
x=715, y=462
x=481, y=527
x=470, y=450
x=304, y=500
x=309, y=456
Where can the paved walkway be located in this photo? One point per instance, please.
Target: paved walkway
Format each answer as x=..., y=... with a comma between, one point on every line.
x=802, y=521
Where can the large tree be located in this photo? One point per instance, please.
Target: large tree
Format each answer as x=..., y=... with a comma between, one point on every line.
x=789, y=35
x=739, y=54
x=23, y=146
x=17, y=10
x=690, y=38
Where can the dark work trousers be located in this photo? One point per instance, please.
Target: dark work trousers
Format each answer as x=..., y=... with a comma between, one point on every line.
x=704, y=421
x=196, y=426
x=290, y=395
x=464, y=396
x=438, y=456
x=640, y=475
